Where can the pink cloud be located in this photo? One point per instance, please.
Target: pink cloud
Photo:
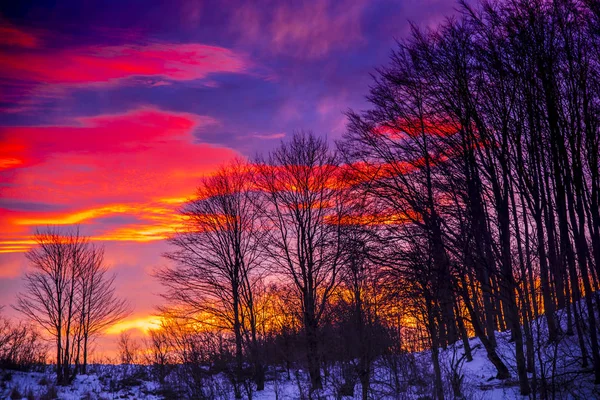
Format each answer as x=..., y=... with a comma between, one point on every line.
x=270, y=136
x=332, y=104
x=12, y=266
x=308, y=29
x=105, y=64
x=118, y=133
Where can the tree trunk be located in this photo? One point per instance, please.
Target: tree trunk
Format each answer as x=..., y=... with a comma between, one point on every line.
x=502, y=370
x=314, y=364
x=435, y=351
x=238, y=347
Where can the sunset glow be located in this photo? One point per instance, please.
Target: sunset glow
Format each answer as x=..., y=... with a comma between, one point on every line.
x=112, y=128
x=358, y=199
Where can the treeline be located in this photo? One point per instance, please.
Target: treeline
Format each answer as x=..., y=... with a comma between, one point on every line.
x=465, y=201
x=69, y=295
x=484, y=134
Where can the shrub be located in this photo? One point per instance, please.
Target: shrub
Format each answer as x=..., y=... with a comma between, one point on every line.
x=51, y=393
x=21, y=347
x=15, y=393
x=7, y=377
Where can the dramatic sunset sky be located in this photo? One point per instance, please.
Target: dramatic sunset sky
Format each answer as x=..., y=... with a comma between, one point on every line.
x=110, y=113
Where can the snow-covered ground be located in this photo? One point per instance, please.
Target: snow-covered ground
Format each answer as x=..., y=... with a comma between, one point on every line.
x=103, y=384
x=408, y=376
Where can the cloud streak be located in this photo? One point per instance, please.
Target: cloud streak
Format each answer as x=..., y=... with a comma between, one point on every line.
x=32, y=74
x=306, y=29
x=138, y=164
x=110, y=64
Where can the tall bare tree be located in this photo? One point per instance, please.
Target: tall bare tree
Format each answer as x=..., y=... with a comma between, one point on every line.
x=100, y=306
x=303, y=214
x=68, y=295
x=217, y=260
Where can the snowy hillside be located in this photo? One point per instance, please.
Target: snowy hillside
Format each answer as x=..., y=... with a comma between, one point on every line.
x=407, y=376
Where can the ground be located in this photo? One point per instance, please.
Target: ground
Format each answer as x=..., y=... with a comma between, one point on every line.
x=401, y=377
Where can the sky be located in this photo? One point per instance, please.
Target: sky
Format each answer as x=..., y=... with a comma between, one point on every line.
x=111, y=111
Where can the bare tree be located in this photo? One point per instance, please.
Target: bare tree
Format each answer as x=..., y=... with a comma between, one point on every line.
x=50, y=291
x=303, y=214
x=100, y=307
x=159, y=353
x=362, y=283
x=68, y=295
x=129, y=349
x=469, y=199
x=217, y=260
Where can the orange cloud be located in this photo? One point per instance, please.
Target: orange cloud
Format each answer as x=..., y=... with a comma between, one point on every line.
x=18, y=245
x=401, y=128
x=374, y=219
x=141, y=323
x=72, y=218
x=132, y=170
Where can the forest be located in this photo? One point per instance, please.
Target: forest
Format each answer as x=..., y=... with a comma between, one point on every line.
x=459, y=215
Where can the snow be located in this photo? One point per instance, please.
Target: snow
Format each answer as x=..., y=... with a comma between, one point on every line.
x=414, y=375
x=92, y=386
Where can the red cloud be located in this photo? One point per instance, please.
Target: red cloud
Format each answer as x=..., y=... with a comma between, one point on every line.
x=140, y=129
x=129, y=165
x=102, y=64
x=12, y=36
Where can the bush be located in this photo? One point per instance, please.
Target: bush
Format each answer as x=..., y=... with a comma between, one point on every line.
x=15, y=393
x=7, y=377
x=21, y=347
x=51, y=393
